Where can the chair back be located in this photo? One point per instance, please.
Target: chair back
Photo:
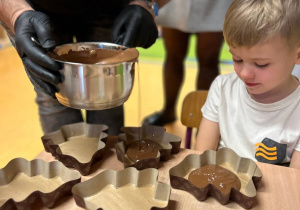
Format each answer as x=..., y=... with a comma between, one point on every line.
x=191, y=114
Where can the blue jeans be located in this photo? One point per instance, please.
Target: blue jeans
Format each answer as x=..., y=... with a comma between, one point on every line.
x=52, y=114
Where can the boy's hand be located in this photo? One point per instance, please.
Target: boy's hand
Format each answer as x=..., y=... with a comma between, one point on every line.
x=135, y=27
x=40, y=68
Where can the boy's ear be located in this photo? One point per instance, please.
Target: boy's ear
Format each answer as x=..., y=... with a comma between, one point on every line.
x=298, y=56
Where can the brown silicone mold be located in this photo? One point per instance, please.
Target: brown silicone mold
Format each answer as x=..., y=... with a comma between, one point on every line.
x=125, y=189
x=246, y=170
x=24, y=183
x=77, y=145
x=168, y=144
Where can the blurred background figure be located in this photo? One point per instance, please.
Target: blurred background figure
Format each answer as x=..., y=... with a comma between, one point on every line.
x=179, y=20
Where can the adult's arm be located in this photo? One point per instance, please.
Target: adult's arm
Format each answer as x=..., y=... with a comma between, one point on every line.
x=143, y=3
x=162, y=3
x=208, y=135
x=23, y=23
x=295, y=161
x=10, y=10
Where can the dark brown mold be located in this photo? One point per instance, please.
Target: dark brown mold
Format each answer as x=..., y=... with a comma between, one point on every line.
x=169, y=144
x=81, y=157
x=129, y=188
x=18, y=174
x=246, y=169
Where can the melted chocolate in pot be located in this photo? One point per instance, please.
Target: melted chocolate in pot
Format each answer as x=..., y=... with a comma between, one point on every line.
x=142, y=149
x=99, y=56
x=220, y=177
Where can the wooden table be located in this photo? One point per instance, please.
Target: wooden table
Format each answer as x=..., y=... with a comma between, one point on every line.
x=279, y=188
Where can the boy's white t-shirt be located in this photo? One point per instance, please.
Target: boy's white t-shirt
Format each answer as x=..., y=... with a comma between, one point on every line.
x=262, y=132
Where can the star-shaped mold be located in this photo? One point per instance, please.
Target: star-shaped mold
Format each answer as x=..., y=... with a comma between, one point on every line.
x=125, y=189
x=77, y=145
x=245, y=169
x=34, y=181
x=165, y=142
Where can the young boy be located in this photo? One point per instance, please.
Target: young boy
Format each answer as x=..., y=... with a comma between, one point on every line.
x=256, y=110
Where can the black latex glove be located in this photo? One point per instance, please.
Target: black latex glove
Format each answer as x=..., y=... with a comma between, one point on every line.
x=135, y=27
x=40, y=68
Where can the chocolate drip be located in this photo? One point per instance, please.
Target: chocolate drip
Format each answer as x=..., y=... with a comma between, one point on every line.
x=220, y=177
x=143, y=149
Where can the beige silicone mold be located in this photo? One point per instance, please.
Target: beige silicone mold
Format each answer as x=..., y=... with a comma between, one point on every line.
x=24, y=183
x=125, y=189
x=246, y=169
x=170, y=144
x=77, y=145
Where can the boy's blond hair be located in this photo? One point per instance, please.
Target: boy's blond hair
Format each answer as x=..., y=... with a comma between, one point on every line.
x=249, y=22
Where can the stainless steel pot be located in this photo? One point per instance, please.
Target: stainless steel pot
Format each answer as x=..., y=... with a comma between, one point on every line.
x=94, y=86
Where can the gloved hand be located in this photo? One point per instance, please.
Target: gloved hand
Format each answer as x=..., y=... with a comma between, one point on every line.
x=40, y=68
x=135, y=27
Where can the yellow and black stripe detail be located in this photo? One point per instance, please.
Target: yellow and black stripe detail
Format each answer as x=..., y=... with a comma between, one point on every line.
x=266, y=157
x=265, y=147
x=269, y=153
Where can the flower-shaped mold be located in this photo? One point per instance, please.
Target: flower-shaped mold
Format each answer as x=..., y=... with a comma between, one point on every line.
x=24, y=183
x=125, y=189
x=167, y=144
x=77, y=145
x=245, y=169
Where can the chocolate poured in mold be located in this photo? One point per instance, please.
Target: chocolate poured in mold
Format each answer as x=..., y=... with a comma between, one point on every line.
x=218, y=176
x=98, y=56
x=143, y=149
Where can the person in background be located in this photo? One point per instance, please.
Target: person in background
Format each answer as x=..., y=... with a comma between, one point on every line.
x=56, y=22
x=179, y=20
x=255, y=111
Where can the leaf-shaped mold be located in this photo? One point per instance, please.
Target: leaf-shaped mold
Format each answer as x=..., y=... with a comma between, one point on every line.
x=167, y=144
x=125, y=189
x=34, y=181
x=246, y=170
x=77, y=145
